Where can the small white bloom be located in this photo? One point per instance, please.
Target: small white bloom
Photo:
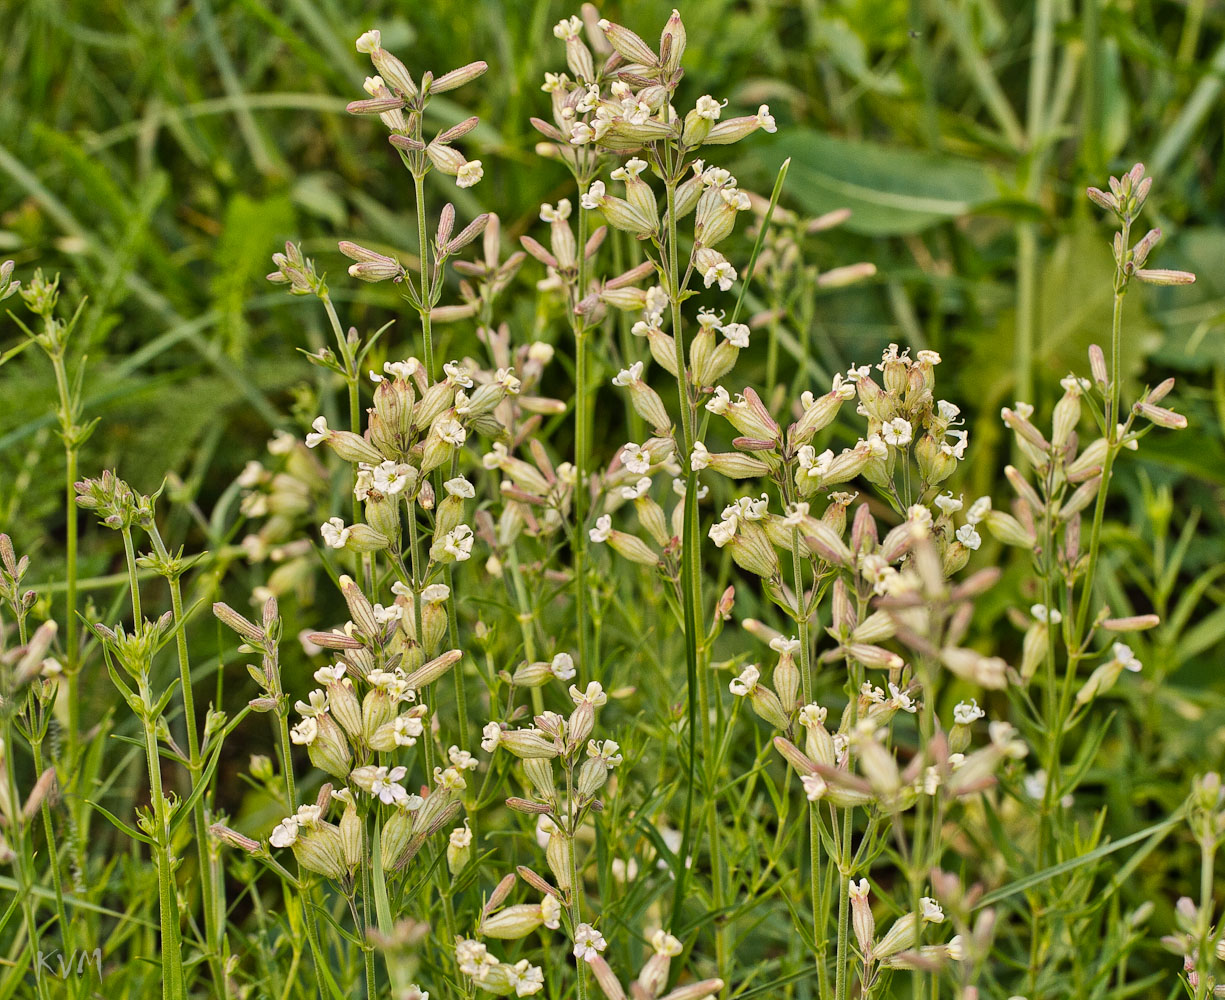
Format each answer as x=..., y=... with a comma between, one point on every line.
x=588, y=942
x=744, y=685
x=948, y=504
x=460, y=487
x=386, y=786
x=331, y=675
x=784, y=644
x=458, y=543
x=462, y=759
x=766, y=120
x=897, y=432
x=1123, y=655
x=593, y=695
x=602, y=529
x=628, y=376
x=469, y=174
x=284, y=833
x=316, y=704
x=334, y=532
x=814, y=786
x=491, y=736
x=1048, y=616
x=435, y=593
x=737, y=334
x=457, y=374
x=700, y=458
x=390, y=478
x=321, y=432
x=635, y=459
x=931, y=911
x=406, y=730
x=721, y=273
x=966, y=712
x=979, y=509
x=968, y=537
x=562, y=667
x=707, y=107
x=595, y=194
x=304, y=732
x=638, y=489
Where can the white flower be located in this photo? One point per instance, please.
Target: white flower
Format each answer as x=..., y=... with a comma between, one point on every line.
x=284, y=833
x=721, y=273
x=473, y=959
x=958, y=450
x=979, y=509
x=334, y=532
x=766, y=120
x=1048, y=616
x=559, y=214
x=406, y=730
x=368, y=41
x=457, y=543
x=602, y=529
x=947, y=411
x=897, y=432
x=665, y=944
x=593, y=695
x=700, y=459
x=309, y=815
x=550, y=910
x=638, y=489
x=784, y=644
x=452, y=431
x=1124, y=656
x=588, y=942
x=635, y=459
x=814, y=786
x=462, y=759
x=966, y=712
x=562, y=667
x=386, y=784
x=331, y=675
x=304, y=732
x=737, y=334
x=390, y=478
x=435, y=593
x=316, y=704
x=460, y=487
x=813, y=715
x=968, y=537
x=491, y=736
x=744, y=685
x=457, y=374
x=594, y=196
x=723, y=532
x=948, y=503
x=707, y=107
x=931, y=910
x=900, y=700
x=628, y=376
x=609, y=751
x=525, y=977
x=720, y=401
x=321, y=433
x=469, y=174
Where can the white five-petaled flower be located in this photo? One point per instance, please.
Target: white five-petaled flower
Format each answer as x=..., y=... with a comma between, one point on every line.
x=897, y=432
x=665, y=944
x=968, y=537
x=406, y=730
x=721, y=273
x=458, y=543
x=331, y=674
x=334, y=532
x=321, y=432
x=931, y=911
x=814, y=786
x=700, y=457
x=737, y=334
x=304, y=732
x=602, y=529
x=460, y=487
x=390, y=478
x=636, y=459
x=462, y=759
x=588, y=942
x=558, y=213
x=966, y=712
x=785, y=644
x=765, y=120
x=593, y=694
x=746, y=683
x=527, y=979
x=316, y=704
x=609, y=751
x=386, y=784
x=435, y=593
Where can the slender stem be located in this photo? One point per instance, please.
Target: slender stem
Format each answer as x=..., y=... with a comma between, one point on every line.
x=582, y=453
x=576, y=887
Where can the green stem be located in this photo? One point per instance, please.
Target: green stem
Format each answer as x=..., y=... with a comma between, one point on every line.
x=427, y=336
